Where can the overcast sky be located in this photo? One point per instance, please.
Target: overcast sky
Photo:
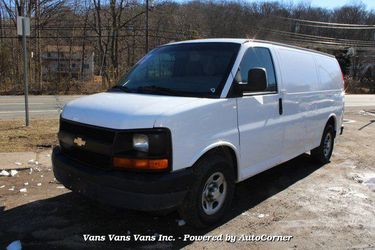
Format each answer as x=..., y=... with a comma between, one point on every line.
x=327, y=3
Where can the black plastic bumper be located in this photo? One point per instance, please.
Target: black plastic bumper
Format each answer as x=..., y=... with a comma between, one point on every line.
x=139, y=191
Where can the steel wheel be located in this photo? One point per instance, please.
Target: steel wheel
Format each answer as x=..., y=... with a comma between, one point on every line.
x=211, y=192
x=327, y=145
x=323, y=153
x=214, y=193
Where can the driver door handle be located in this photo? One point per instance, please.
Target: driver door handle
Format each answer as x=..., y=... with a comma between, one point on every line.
x=280, y=106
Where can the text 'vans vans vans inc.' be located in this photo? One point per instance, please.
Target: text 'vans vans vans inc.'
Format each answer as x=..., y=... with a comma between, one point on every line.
x=193, y=118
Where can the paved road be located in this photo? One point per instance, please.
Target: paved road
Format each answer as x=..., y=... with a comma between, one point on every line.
x=359, y=100
x=12, y=107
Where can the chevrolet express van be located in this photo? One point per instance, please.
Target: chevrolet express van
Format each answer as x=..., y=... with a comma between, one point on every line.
x=191, y=119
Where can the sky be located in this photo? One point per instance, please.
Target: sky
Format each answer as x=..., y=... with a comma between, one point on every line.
x=331, y=4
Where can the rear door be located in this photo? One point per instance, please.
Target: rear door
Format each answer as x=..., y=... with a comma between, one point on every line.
x=259, y=117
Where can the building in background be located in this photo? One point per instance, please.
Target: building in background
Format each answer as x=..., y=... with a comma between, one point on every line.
x=73, y=62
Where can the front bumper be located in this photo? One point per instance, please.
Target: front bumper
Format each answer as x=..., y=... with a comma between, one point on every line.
x=139, y=191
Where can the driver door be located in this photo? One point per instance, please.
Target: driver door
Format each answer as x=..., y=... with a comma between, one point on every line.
x=259, y=116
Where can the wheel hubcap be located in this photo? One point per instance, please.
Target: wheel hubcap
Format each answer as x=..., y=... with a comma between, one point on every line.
x=214, y=192
x=327, y=145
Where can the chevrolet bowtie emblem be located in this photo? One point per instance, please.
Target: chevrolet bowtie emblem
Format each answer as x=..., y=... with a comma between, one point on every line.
x=79, y=141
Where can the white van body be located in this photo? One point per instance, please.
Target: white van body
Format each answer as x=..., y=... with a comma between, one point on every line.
x=310, y=98
x=262, y=130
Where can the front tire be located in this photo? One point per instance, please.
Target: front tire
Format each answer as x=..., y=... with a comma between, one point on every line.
x=323, y=153
x=211, y=193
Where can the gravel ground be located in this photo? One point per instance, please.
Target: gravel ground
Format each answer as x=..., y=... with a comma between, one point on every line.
x=330, y=206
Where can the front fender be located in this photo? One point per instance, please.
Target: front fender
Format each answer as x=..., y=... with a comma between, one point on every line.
x=217, y=144
x=198, y=127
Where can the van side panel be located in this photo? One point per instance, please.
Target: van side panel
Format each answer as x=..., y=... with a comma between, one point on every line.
x=329, y=73
x=330, y=96
x=298, y=69
x=299, y=78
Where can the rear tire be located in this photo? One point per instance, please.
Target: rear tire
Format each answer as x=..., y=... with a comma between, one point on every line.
x=322, y=154
x=211, y=193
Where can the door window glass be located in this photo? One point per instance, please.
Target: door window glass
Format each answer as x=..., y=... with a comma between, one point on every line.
x=258, y=58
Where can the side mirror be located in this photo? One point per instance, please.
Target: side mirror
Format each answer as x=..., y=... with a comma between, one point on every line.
x=256, y=81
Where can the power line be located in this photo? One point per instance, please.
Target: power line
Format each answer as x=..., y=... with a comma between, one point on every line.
x=129, y=28
x=328, y=23
x=322, y=38
x=301, y=40
x=324, y=46
x=327, y=43
x=87, y=36
x=337, y=27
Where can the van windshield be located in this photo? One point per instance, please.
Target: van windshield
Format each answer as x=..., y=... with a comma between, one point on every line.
x=190, y=69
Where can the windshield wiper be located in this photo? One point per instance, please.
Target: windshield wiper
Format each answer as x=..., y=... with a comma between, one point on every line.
x=158, y=89
x=119, y=87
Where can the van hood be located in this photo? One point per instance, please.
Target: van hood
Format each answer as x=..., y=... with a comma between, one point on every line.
x=122, y=110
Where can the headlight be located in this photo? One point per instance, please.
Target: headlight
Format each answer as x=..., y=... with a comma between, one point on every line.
x=143, y=149
x=140, y=142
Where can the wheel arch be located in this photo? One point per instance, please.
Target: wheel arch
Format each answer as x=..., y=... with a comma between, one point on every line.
x=222, y=148
x=332, y=119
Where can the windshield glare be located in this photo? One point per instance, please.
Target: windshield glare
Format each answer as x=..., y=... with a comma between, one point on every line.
x=193, y=69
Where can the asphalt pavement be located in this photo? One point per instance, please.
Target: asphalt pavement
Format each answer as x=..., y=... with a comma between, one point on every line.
x=40, y=106
x=43, y=106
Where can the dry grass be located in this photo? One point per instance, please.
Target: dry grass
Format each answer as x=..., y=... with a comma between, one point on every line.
x=16, y=137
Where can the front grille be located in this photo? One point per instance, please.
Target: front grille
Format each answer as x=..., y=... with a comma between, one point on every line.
x=95, y=137
x=97, y=133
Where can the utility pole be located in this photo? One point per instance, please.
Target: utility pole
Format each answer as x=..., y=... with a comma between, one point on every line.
x=25, y=74
x=23, y=28
x=146, y=42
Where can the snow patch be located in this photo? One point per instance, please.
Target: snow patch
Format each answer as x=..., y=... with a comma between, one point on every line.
x=263, y=215
x=370, y=183
x=347, y=164
x=348, y=121
x=4, y=173
x=13, y=172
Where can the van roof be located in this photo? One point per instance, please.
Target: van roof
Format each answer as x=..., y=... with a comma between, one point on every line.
x=214, y=40
x=242, y=41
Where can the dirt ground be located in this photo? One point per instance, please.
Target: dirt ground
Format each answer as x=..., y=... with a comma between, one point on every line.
x=16, y=137
x=330, y=206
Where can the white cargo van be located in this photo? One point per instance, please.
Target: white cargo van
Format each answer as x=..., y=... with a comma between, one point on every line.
x=193, y=118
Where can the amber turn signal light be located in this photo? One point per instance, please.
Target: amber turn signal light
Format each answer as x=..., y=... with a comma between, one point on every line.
x=142, y=164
